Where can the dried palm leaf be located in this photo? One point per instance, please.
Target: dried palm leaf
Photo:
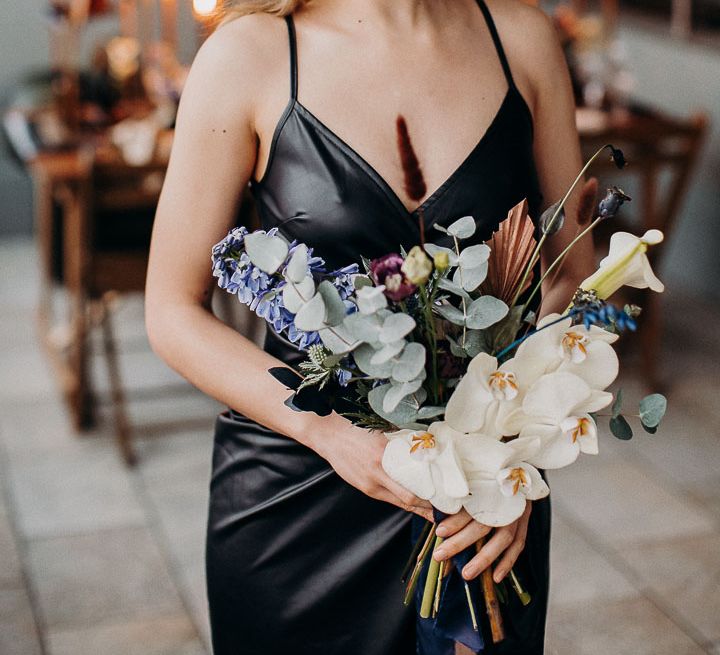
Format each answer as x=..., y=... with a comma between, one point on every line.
x=511, y=247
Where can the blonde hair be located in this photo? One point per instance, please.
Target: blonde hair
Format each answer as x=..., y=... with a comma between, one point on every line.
x=236, y=8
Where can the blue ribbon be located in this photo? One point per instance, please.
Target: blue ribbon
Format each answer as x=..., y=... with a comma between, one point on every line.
x=453, y=622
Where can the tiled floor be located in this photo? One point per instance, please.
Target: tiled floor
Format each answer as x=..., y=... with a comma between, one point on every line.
x=96, y=559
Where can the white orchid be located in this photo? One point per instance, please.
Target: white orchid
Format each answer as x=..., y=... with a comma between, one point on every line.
x=626, y=265
x=487, y=392
x=556, y=409
x=426, y=463
x=573, y=348
x=499, y=478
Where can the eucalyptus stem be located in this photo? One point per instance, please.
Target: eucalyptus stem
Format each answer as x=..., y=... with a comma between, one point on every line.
x=410, y=589
x=536, y=252
x=433, y=338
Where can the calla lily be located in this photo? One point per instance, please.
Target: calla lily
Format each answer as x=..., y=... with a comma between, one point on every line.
x=556, y=409
x=573, y=348
x=499, y=478
x=426, y=463
x=487, y=393
x=626, y=265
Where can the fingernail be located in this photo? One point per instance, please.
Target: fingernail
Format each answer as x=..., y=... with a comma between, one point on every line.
x=499, y=575
x=439, y=554
x=467, y=573
x=441, y=531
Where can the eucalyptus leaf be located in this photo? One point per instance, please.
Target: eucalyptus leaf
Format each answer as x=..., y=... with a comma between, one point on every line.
x=388, y=352
x=363, y=327
x=470, y=278
x=449, y=285
x=360, y=281
x=617, y=405
x=338, y=339
x=363, y=358
x=297, y=268
x=430, y=411
x=649, y=430
x=295, y=295
x=266, y=252
x=397, y=392
x=432, y=250
x=311, y=316
x=396, y=327
x=475, y=343
x=463, y=228
x=405, y=412
x=452, y=314
x=456, y=349
x=335, y=309
x=474, y=256
x=370, y=299
x=621, y=428
x=485, y=311
x=652, y=409
x=410, y=364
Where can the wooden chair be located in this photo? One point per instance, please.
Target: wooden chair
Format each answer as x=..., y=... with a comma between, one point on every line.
x=654, y=146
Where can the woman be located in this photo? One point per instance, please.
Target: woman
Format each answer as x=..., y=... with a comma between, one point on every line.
x=307, y=536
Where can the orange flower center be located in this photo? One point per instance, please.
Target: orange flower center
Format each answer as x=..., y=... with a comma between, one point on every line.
x=501, y=381
x=581, y=429
x=423, y=440
x=518, y=476
x=573, y=340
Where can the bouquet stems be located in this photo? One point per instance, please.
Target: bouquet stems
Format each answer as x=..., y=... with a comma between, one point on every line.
x=433, y=579
x=492, y=606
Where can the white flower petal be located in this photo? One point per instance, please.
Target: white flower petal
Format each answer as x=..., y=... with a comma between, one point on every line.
x=468, y=404
x=556, y=452
x=538, y=486
x=599, y=368
x=489, y=506
x=555, y=395
x=407, y=471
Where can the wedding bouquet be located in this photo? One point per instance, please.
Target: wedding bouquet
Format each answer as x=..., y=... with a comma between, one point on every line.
x=440, y=349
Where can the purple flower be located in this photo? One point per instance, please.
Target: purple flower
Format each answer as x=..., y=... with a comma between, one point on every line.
x=387, y=271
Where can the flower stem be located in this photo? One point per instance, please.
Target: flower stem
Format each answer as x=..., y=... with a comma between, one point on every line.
x=491, y=601
x=410, y=589
x=420, y=545
x=523, y=595
x=430, y=584
x=536, y=252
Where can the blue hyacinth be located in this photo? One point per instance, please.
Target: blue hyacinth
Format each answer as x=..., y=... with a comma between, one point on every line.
x=262, y=292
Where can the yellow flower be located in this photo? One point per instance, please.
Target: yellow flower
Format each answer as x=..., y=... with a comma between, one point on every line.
x=417, y=266
x=441, y=260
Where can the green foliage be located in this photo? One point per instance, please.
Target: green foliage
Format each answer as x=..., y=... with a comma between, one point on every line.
x=652, y=410
x=621, y=428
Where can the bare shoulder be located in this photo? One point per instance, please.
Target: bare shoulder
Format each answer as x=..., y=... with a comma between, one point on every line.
x=236, y=63
x=530, y=42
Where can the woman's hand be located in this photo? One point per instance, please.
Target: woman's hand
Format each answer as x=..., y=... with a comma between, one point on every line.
x=460, y=531
x=356, y=455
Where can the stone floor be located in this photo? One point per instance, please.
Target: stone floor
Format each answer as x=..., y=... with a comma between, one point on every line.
x=98, y=559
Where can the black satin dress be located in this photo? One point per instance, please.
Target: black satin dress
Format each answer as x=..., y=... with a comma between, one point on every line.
x=298, y=561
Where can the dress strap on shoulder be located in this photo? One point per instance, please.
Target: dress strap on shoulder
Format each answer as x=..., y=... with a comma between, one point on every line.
x=293, y=56
x=496, y=40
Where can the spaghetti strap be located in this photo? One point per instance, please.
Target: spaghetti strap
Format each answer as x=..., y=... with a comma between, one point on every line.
x=293, y=56
x=496, y=40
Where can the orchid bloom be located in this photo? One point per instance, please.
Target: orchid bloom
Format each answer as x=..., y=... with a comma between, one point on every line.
x=499, y=478
x=426, y=463
x=573, y=348
x=626, y=265
x=556, y=409
x=488, y=392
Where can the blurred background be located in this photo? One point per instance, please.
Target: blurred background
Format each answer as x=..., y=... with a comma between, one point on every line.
x=105, y=452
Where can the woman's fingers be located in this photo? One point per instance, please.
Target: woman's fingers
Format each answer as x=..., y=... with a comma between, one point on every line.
x=454, y=523
x=393, y=493
x=500, y=541
x=516, y=547
x=465, y=537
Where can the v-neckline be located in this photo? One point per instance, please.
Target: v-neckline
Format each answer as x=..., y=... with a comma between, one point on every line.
x=380, y=181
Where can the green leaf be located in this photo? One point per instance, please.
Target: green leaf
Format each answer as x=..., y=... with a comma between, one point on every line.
x=475, y=342
x=647, y=429
x=455, y=348
x=448, y=285
x=363, y=358
x=452, y=314
x=462, y=228
x=396, y=327
x=405, y=412
x=470, y=278
x=266, y=252
x=360, y=281
x=621, y=428
x=617, y=405
x=311, y=316
x=410, y=364
x=652, y=409
x=297, y=268
x=335, y=310
x=485, y=311
x=430, y=411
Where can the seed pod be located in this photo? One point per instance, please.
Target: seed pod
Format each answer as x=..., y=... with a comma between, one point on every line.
x=549, y=226
x=611, y=203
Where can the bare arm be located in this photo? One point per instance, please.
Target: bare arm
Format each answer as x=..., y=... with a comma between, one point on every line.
x=212, y=160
